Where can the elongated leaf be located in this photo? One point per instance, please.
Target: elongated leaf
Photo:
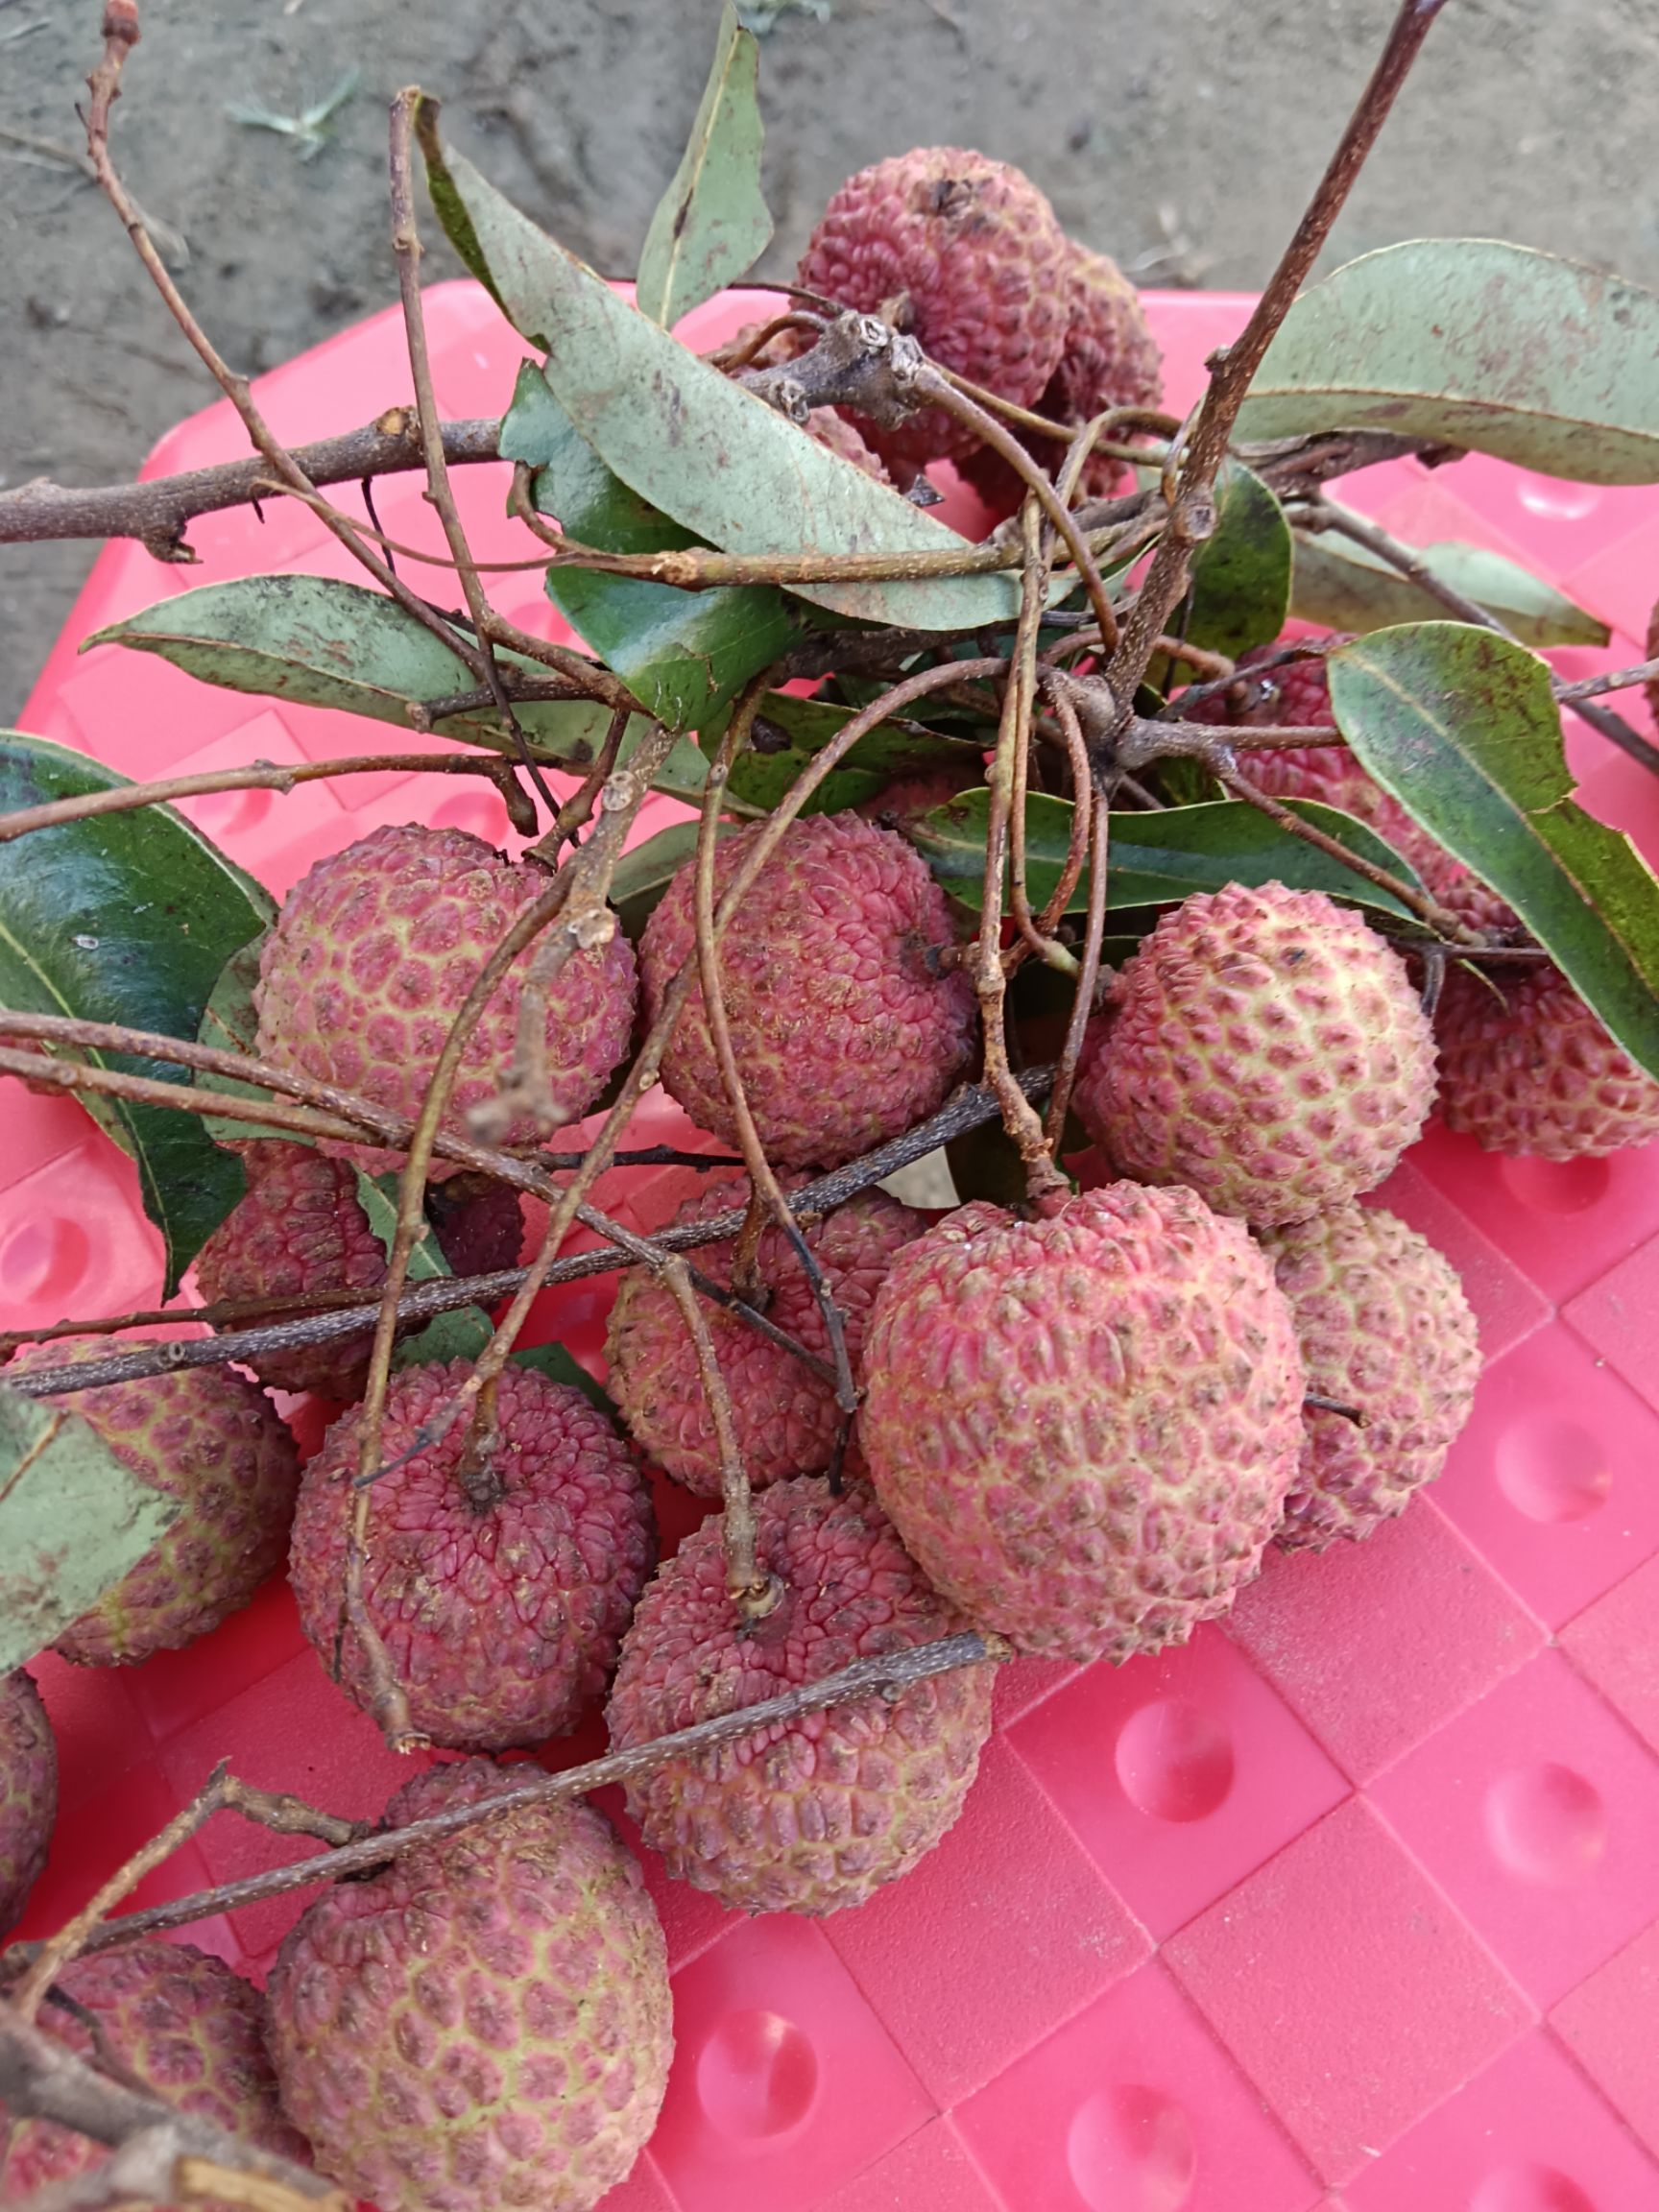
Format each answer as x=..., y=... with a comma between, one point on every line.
x=323, y=642
x=1242, y=574
x=788, y=731
x=1542, y=361
x=700, y=447
x=1345, y=587
x=1460, y=725
x=682, y=654
x=73, y=1520
x=711, y=224
x=126, y=918
x=1158, y=858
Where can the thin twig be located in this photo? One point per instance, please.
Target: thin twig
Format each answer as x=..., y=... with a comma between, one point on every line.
x=753, y=1593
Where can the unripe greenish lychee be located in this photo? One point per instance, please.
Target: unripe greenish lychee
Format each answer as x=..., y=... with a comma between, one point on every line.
x=1110, y=359
x=373, y=954
x=1084, y=1427
x=815, y=1812
x=964, y=254
x=210, y=1438
x=784, y=1412
x=28, y=1791
x=499, y=1592
x=177, y=2021
x=846, y=1024
x=486, y=2021
x=1385, y=1328
x=1263, y=1046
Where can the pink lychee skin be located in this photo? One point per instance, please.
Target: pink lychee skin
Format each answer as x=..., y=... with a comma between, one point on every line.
x=973, y=251
x=28, y=1791
x=372, y=954
x=845, y=1030
x=298, y=1231
x=1383, y=1326
x=785, y=1415
x=1263, y=1046
x=1296, y=695
x=500, y=1619
x=485, y=2022
x=1084, y=1427
x=814, y=1814
x=1110, y=359
x=186, y=2026
x=206, y=1435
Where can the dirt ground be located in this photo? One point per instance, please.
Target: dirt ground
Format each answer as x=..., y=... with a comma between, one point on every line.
x=1181, y=135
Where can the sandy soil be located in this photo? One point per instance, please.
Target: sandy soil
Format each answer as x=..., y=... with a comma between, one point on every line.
x=1180, y=134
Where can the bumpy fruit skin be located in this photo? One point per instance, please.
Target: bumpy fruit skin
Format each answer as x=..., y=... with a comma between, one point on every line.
x=1526, y=1067
x=1384, y=1324
x=1263, y=1046
x=785, y=1415
x=845, y=1030
x=28, y=1791
x=206, y=1435
x=186, y=2027
x=971, y=255
x=500, y=1608
x=1110, y=359
x=816, y=1812
x=484, y=2023
x=479, y=1230
x=374, y=950
x=298, y=1231
x=1084, y=1427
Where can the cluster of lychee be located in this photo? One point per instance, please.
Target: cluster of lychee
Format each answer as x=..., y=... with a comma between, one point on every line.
x=1079, y=1429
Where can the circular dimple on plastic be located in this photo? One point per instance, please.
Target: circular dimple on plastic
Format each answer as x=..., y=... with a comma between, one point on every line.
x=1173, y=1761
x=1552, y=1470
x=1546, y=1824
x=44, y=1259
x=1555, y=496
x=1529, y=2189
x=1130, y=2149
x=1555, y=1186
x=232, y=813
x=757, y=2077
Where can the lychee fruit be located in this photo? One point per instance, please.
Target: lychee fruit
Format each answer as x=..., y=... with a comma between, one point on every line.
x=183, y=2024
x=964, y=254
x=484, y=2022
x=846, y=1023
x=500, y=1592
x=1384, y=1326
x=28, y=1791
x=1296, y=695
x=373, y=953
x=1265, y=1046
x=210, y=1438
x=784, y=1412
x=1084, y=1427
x=478, y=1222
x=908, y=798
x=1110, y=359
x=1526, y=1067
x=812, y=1813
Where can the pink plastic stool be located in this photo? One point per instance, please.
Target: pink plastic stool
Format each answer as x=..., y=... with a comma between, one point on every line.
x=1355, y=1902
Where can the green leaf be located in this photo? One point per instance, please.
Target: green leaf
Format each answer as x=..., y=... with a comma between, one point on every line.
x=1462, y=728
x=1242, y=574
x=703, y=448
x=644, y=874
x=446, y=202
x=1346, y=587
x=788, y=731
x=1157, y=859
x=230, y=1025
x=459, y=1335
x=561, y=1366
x=73, y=1520
x=711, y=224
x=684, y=654
x=126, y=918
x=1542, y=361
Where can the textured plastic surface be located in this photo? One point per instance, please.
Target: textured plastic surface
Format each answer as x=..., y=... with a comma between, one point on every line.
x=1353, y=1903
